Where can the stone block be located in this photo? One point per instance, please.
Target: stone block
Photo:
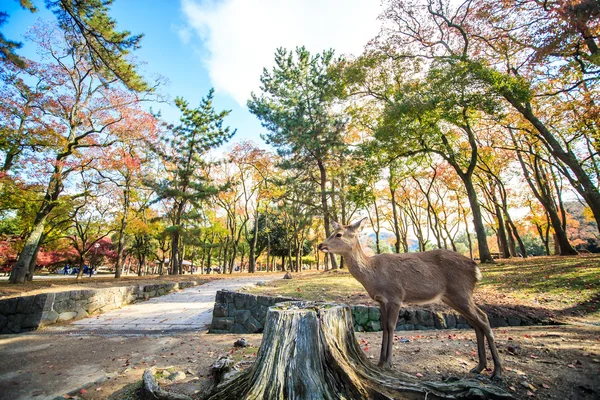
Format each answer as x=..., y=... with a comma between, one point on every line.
x=240, y=301
x=450, y=321
x=8, y=306
x=359, y=328
x=405, y=327
x=374, y=314
x=242, y=316
x=39, y=303
x=373, y=326
x=66, y=316
x=238, y=328
x=81, y=312
x=514, y=321
x=401, y=319
x=360, y=314
x=251, y=301
x=231, y=310
x=460, y=320
x=228, y=296
x=260, y=313
x=439, y=321
x=31, y=321
x=253, y=326
x=425, y=318
x=14, y=322
x=498, y=322
x=3, y=321
x=220, y=310
x=265, y=300
x=223, y=324
x=62, y=306
x=411, y=317
x=24, y=304
x=62, y=296
x=48, y=317
x=463, y=326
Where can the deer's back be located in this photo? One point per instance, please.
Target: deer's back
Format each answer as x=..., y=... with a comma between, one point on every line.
x=424, y=277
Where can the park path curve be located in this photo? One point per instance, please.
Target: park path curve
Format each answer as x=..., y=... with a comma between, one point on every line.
x=188, y=309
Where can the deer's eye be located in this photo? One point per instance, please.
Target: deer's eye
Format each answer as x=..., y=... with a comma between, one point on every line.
x=338, y=235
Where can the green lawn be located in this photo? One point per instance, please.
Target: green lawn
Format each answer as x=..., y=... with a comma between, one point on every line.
x=559, y=286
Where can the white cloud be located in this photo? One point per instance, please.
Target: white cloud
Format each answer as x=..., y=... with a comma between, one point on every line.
x=241, y=35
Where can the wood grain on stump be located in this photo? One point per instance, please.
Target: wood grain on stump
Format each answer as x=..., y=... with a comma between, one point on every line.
x=309, y=351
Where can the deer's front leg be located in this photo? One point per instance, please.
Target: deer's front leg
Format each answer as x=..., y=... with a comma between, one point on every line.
x=384, y=348
x=392, y=310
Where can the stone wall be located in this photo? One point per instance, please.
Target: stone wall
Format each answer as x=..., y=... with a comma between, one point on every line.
x=245, y=313
x=27, y=313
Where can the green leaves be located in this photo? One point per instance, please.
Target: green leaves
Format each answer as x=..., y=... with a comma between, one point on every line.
x=297, y=104
x=88, y=24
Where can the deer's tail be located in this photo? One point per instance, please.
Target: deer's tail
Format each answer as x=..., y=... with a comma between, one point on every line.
x=478, y=275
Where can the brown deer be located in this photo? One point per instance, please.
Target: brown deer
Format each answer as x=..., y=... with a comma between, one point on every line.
x=417, y=278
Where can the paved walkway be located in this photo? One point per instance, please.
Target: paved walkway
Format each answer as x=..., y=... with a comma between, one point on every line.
x=189, y=309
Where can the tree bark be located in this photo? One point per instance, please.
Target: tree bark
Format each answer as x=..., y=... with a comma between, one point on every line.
x=309, y=351
x=19, y=272
x=33, y=262
x=326, y=220
x=484, y=252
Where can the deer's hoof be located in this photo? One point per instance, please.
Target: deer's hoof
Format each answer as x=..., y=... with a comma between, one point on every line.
x=385, y=365
x=496, y=376
x=477, y=370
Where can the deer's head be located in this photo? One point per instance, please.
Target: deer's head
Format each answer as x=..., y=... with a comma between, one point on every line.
x=343, y=239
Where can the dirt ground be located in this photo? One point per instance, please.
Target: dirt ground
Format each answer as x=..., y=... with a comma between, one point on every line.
x=559, y=362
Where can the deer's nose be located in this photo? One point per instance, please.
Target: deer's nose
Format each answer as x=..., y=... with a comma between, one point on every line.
x=320, y=246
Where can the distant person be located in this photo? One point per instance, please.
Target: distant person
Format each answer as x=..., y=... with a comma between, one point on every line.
x=91, y=271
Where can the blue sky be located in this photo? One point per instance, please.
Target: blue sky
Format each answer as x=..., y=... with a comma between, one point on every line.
x=223, y=44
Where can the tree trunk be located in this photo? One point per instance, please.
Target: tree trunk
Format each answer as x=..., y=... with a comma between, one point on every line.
x=484, y=251
x=309, y=351
x=395, y=219
x=33, y=262
x=326, y=221
x=19, y=271
x=503, y=240
x=253, y=242
x=122, y=226
x=512, y=245
x=174, y=261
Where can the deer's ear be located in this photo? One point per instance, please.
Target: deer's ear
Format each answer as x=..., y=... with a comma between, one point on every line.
x=358, y=225
x=335, y=225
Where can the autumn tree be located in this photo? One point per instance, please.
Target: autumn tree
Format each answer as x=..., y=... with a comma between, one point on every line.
x=531, y=55
x=82, y=111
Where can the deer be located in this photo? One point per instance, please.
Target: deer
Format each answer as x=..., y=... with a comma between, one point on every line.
x=416, y=278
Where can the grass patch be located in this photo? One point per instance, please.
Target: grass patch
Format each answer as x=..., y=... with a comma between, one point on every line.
x=559, y=286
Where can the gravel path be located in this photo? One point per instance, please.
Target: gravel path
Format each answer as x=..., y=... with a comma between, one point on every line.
x=189, y=309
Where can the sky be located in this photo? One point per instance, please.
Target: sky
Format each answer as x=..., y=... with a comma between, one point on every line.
x=223, y=44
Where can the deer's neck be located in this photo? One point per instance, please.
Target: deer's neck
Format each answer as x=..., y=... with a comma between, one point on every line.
x=358, y=263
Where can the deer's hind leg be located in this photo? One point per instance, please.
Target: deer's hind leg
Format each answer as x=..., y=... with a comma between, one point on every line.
x=479, y=321
x=487, y=331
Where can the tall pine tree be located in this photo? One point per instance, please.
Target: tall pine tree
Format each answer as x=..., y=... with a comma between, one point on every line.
x=298, y=108
x=187, y=182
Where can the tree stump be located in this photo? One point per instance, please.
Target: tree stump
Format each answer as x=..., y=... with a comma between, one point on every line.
x=309, y=351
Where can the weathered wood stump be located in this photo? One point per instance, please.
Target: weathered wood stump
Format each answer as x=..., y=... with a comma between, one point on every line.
x=309, y=351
